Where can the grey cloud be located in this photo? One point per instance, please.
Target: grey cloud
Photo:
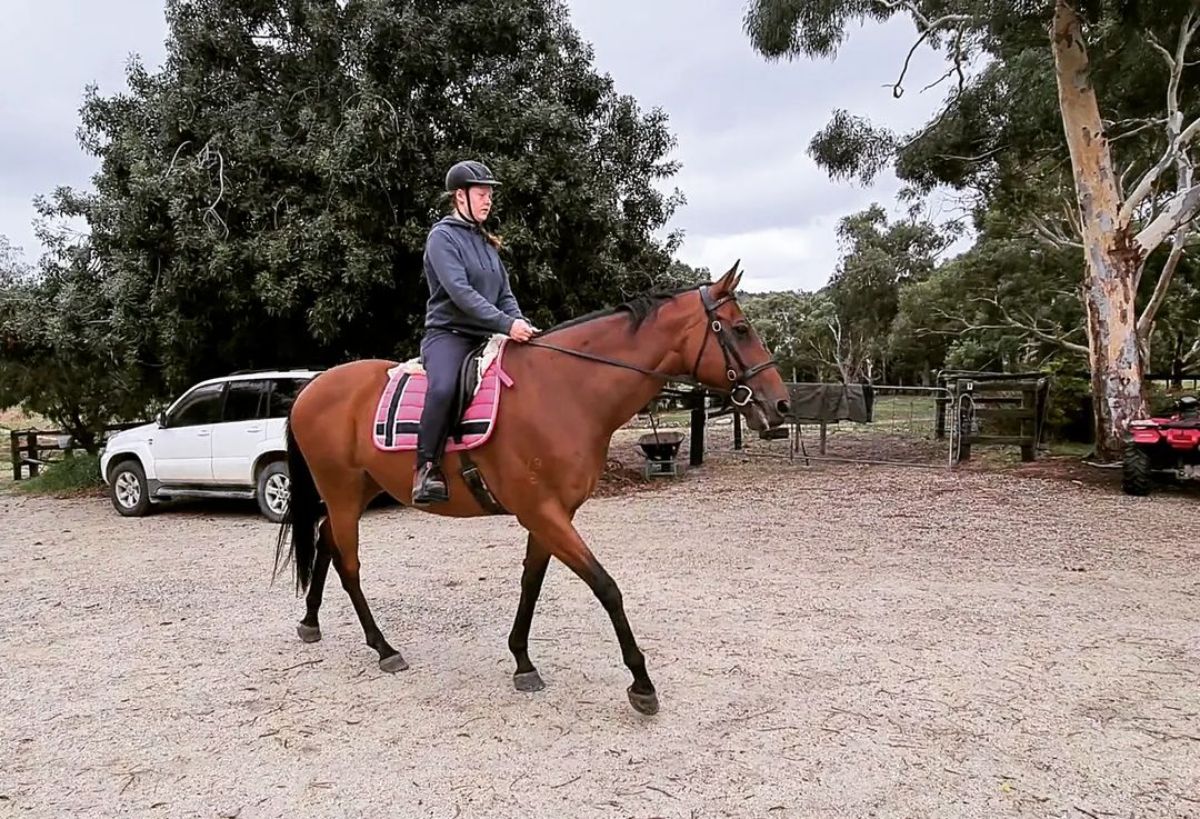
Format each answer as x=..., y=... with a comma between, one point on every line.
x=742, y=124
x=50, y=50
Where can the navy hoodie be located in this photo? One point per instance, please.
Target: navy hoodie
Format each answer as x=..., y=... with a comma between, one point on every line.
x=468, y=284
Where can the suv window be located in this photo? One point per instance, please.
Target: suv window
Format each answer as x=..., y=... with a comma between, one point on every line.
x=283, y=393
x=201, y=406
x=244, y=401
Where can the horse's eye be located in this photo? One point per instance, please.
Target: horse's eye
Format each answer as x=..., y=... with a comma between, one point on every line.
x=742, y=330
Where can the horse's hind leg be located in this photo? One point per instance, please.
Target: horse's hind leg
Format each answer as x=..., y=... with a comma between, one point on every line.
x=309, y=628
x=537, y=558
x=343, y=521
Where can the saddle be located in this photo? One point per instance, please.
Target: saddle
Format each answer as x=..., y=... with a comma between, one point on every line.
x=474, y=411
x=469, y=379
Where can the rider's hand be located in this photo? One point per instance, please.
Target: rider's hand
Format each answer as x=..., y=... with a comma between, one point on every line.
x=521, y=331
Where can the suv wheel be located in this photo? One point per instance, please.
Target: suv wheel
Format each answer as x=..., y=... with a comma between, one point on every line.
x=274, y=490
x=128, y=490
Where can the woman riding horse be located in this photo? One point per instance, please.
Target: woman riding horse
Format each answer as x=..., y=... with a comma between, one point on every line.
x=469, y=300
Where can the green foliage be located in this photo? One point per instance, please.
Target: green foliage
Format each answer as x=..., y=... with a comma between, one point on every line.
x=849, y=329
x=788, y=323
x=60, y=354
x=74, y=474
x=1014, y=300
x=1000, y=125
x=263, y=200
x=1069, y=413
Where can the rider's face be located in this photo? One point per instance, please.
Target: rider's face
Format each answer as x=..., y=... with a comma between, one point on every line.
x=480, y=198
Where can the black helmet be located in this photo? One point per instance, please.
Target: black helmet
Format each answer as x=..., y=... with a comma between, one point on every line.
x=467, y=173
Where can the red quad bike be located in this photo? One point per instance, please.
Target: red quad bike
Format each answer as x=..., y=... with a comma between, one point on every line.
x=1168, y=447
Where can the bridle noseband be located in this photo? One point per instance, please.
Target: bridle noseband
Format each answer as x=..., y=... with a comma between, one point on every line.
x=735, y=366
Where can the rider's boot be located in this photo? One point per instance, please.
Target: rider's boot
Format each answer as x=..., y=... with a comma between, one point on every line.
x=429, y=484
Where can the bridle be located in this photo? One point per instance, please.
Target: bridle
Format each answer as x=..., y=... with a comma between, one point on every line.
x=740, y=375
x=735, y=366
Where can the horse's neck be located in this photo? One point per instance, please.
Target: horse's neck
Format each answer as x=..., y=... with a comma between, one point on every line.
x=608, y=395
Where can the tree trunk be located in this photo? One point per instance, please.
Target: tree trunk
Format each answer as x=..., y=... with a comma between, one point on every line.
x=1113, y=258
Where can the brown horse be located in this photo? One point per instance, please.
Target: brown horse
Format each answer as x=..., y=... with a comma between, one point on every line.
x=554, y=424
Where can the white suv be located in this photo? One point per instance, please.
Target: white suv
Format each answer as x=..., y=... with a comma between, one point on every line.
x=222, y=438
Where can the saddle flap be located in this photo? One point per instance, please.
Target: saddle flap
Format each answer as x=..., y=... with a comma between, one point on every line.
x=468, y=383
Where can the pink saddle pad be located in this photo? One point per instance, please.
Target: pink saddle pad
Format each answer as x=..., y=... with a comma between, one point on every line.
x=398, y=415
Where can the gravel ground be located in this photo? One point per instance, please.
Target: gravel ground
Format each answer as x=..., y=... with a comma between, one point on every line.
x=827, y=641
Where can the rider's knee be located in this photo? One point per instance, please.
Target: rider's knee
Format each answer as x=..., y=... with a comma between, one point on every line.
x=441, y=389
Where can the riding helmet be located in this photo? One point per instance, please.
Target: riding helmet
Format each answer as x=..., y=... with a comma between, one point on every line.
x=467, y=173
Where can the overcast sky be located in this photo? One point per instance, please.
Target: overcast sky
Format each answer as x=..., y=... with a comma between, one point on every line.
x=742, y=123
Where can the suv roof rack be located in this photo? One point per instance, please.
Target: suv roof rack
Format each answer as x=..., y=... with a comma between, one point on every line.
x=276, y=370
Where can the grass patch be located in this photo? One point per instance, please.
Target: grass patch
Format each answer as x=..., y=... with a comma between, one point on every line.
x=75, y=474
x=1072, y=449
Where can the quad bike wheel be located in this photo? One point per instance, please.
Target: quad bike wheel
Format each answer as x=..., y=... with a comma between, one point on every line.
x=1136, y=478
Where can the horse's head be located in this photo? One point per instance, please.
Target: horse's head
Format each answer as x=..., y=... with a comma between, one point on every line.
x=730, y=356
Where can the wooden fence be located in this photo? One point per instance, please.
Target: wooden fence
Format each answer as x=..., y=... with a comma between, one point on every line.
x=30, y=446
x=995, y=409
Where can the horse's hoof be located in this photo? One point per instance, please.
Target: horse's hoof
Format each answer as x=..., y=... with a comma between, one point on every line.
x=309, y=634
x=644, y=703
x=393, y=663
x=528, y=681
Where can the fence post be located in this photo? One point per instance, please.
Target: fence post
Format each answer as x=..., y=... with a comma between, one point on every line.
x=698, y=417
x=15, y=443
x=31, y=446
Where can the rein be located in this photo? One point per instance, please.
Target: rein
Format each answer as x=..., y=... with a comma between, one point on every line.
x=738, y=380
x=686, y=379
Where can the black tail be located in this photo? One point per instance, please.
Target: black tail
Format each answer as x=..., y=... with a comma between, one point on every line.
x=303, y=514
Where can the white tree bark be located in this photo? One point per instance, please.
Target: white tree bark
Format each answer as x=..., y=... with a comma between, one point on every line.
x=1113, y=259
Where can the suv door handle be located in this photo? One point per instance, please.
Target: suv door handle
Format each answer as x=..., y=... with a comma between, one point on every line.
x=254, y=429
x=204, y=433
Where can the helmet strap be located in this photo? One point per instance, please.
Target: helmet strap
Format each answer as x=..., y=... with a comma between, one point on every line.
x=470, y=214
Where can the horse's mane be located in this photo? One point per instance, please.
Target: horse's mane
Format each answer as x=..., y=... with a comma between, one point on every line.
x=639, y=308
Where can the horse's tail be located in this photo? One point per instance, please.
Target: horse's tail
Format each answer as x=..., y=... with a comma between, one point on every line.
x=303, y=514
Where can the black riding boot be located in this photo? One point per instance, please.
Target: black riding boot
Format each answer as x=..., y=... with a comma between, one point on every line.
x=429, y=485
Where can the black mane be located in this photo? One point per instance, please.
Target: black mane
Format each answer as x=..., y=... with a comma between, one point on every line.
x=639, y=308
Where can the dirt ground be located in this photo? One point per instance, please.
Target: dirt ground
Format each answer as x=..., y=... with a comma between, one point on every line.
x=831, y=640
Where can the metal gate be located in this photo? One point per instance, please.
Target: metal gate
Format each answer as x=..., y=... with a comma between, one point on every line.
x=889, y=424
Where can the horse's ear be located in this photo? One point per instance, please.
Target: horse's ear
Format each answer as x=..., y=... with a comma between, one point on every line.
x=728, y=283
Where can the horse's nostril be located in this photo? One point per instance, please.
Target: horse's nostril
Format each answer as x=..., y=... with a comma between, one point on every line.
x=784, y=406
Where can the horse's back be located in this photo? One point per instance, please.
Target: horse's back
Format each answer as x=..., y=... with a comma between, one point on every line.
x=341, y=393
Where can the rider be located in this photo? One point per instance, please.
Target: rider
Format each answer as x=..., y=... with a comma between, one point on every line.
x=469, y=300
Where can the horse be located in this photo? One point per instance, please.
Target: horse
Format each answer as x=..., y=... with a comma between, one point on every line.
x=572, y=387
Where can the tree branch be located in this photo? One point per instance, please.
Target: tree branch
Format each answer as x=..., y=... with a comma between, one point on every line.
x=1142, y=125
x=1052, y=235
x=986, y=155
x=1164, y=282
x=1179, y=212
x=1177, y=136
x=211, y=210
x=926, y=28
x=171, y=166
x=1193, y=354
x=1146, y=183
x=1013, y=323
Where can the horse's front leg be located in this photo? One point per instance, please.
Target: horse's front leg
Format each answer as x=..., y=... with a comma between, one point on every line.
x=526, y=677
x=553, y=530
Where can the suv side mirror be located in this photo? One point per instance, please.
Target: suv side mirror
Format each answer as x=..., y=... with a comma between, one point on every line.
x=162, y=418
